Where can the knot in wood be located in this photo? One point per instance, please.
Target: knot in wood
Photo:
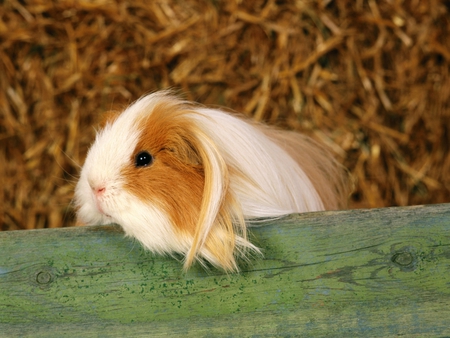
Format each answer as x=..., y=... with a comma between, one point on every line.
x=403, y=258
x=44, y=277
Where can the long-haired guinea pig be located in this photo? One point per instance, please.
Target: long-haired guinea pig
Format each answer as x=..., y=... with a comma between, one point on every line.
x=181, y=178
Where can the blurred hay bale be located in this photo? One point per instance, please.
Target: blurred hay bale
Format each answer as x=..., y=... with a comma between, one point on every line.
x=369, y=79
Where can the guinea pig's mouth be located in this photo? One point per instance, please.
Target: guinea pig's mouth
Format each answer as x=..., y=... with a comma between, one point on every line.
x=106, y=215
x=107, y=219
x=100, y=209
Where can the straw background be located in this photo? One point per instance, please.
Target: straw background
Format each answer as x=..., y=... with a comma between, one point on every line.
x=370, y=79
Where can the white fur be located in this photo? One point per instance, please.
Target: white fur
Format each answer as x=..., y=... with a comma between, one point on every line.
x=270, y=183
x=281, y=187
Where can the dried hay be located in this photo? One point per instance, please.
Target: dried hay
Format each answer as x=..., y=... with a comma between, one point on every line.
x=369, y=79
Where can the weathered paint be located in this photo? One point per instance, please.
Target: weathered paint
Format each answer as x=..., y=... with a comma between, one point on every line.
x=375, y=273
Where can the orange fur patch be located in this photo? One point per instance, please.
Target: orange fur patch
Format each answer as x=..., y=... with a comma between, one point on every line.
x=174, y=181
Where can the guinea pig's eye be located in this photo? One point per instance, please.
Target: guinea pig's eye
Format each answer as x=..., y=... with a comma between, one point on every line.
x=143, y=159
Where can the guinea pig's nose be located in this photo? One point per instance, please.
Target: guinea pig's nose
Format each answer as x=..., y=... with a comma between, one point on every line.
x=99, y=191
x=97, y=188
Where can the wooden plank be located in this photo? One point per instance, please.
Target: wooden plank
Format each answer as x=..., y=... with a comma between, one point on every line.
x=377, y=273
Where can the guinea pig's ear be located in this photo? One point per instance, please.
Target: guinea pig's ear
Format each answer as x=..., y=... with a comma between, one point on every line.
x=186, y=151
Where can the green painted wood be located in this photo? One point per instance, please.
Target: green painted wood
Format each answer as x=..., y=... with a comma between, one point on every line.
x=361, y=273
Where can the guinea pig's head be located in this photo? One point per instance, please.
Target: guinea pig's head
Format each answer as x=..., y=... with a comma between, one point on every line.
x=153, y=170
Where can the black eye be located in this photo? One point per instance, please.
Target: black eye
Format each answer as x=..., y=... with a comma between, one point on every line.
x=143, y=159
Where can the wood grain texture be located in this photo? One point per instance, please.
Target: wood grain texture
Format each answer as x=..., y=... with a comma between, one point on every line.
x=360, y=273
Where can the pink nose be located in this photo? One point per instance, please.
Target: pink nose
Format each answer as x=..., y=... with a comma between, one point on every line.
x=99, y=191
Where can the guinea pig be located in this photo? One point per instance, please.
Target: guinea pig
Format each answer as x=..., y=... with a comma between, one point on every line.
x=183, y=178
